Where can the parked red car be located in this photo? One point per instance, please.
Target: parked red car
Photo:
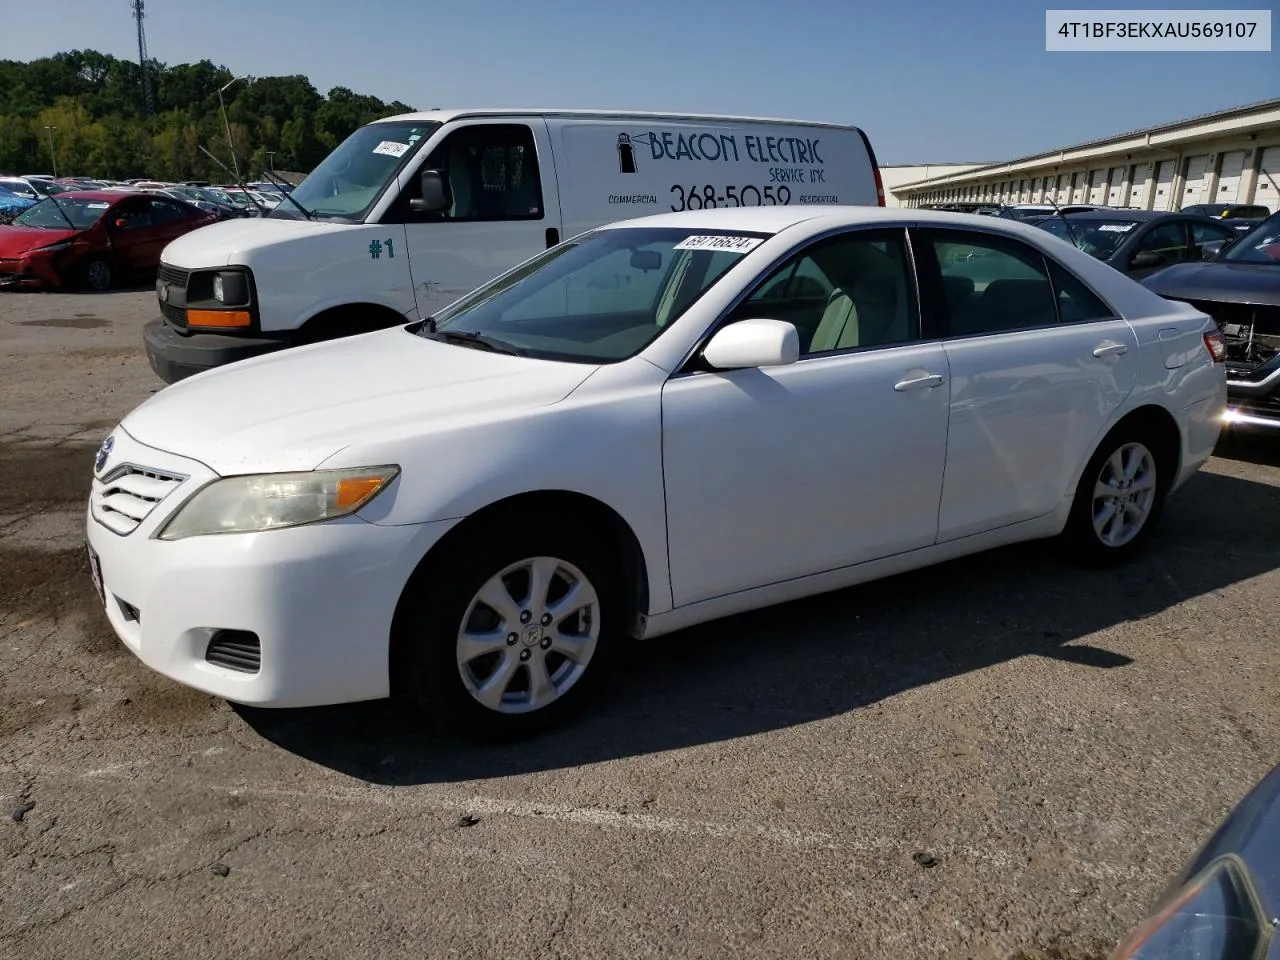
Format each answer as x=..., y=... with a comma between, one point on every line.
x=92, y=238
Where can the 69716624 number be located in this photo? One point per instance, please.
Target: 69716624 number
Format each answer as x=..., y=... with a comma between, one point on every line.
x=709, y=197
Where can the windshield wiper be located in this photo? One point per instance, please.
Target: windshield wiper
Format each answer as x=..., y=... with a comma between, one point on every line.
x=287, y=195
x=61, y=211
x=467, y=339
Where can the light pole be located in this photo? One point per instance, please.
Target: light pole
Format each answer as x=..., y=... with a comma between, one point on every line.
x=227, y=123
x=53, y=154
x=271, y=160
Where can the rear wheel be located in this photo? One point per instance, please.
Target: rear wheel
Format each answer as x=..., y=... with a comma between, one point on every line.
x=1119, y=501
x=511, y=632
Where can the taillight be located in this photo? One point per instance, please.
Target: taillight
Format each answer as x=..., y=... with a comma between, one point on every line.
x=1216, y=346
x=879, y=186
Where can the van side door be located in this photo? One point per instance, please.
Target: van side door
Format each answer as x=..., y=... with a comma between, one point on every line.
x=500, y=183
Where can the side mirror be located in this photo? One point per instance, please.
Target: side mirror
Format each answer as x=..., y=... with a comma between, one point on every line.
x=1145, y=259
x=122, y=223
x=1213, y=249
x=753, y=343
x=433, y=199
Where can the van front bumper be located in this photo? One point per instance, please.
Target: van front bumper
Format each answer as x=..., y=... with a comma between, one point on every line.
x=174, y=356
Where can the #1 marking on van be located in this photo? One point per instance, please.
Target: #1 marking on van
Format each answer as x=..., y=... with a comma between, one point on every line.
x=722, y=244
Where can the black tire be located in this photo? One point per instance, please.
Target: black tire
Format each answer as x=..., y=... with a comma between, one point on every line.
x=95, y=274
x=1083, y=542
x=441, y=594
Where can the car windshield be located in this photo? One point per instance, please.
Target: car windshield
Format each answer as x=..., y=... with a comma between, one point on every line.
x=1099, y=238
x=19, y=188
x=349, y=181
x=1259, y=245
x=81, y=211
x=597, y=299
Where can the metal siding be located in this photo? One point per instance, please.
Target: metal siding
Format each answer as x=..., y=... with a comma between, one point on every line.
x=1229, y=179
x=1164, y=186
x=1267, y=192
x=1138, y=184
x=1193, y=188
x=1115, y=192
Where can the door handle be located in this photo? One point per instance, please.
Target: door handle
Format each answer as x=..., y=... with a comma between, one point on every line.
x=1109, y=348
x=929, y=380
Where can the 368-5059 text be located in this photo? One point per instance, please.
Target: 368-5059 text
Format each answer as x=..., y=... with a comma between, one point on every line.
x=709, y=197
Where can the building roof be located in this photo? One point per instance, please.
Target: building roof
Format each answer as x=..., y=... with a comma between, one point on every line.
x=1149, y=136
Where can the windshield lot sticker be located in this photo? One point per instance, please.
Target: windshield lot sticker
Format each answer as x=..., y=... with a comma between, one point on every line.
x=720, y=244
x=391, y=148
x=98, y=206
x=1116, y=227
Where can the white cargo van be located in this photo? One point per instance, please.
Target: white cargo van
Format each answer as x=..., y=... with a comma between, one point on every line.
x=411, y=212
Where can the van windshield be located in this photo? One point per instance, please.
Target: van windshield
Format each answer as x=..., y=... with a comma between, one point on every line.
x=349, y=181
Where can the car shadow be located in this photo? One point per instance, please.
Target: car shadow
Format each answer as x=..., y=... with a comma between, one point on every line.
x=825, y=656
x=1260, y=446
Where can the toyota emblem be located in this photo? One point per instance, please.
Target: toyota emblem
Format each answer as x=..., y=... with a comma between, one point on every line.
x=104, y=452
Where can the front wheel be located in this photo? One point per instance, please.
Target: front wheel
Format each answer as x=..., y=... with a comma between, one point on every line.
x=511, y=631
x=1119, y=500
x=95, y=274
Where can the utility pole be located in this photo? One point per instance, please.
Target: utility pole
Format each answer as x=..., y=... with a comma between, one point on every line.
x=227, y=123
x=271, y=160
x=53, y=154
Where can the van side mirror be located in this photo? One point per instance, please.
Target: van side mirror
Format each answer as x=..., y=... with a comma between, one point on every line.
x=433, y=199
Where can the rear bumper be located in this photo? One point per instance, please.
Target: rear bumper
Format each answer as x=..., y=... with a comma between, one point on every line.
x=174, y=356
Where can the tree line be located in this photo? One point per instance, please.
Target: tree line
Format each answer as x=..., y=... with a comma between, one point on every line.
x=94, y=103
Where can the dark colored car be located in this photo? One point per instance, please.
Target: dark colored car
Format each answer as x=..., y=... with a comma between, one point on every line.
x=1240, y=289
x=1240, y=216
x=1034, y=211
x=1140, y=242
x=1225, y=903
x=92, y=239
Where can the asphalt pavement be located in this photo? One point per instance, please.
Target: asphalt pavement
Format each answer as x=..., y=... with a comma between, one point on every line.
x=1001, y=757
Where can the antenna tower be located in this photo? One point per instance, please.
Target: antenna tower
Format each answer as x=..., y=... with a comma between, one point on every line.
x=148, y=105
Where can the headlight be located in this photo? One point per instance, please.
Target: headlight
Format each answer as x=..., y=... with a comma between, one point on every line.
x=269, y=501
x=231, y=287
x=1215, y=916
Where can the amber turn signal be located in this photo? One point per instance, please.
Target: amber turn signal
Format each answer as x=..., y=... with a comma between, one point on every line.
x=218, y=318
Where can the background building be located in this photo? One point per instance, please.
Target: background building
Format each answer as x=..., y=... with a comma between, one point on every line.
x=1232, y=156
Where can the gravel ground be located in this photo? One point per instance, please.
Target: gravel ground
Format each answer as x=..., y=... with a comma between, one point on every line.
x=1001, y=757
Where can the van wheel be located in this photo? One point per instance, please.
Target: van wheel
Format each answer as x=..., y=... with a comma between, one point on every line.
x=512, y=631
x=1119, y=501
x=95, y=274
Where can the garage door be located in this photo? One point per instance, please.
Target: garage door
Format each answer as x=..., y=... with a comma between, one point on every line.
x=1193, y=188
x=1268, y=192
x=1115, y=193
x=1164, y=186
x=1138, y=185
x=1079, y=187
x=1229, y=177
x=1063, y=194
x=1097, y=186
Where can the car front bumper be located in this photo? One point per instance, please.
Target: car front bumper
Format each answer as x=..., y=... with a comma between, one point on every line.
x=319, y=599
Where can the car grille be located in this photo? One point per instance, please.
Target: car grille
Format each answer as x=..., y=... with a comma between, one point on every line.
x=1252, y=335
x=236, y=650
x=128, y=495
x=176, y=278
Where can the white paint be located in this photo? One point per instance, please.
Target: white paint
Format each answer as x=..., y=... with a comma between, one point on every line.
x=742, y=487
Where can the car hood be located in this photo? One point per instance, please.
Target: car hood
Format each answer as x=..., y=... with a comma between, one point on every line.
x=15, y=241
x=231, y=241
x=295, y=408
x=1224, y=282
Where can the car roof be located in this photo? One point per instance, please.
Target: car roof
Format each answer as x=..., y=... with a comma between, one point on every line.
x=445, y=115
x=1114, y=213
x=776, y=219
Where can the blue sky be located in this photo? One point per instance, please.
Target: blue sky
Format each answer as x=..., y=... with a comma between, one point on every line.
x=929, y=80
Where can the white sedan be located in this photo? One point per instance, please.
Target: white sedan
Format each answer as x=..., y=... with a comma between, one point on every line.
x=657, y=423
